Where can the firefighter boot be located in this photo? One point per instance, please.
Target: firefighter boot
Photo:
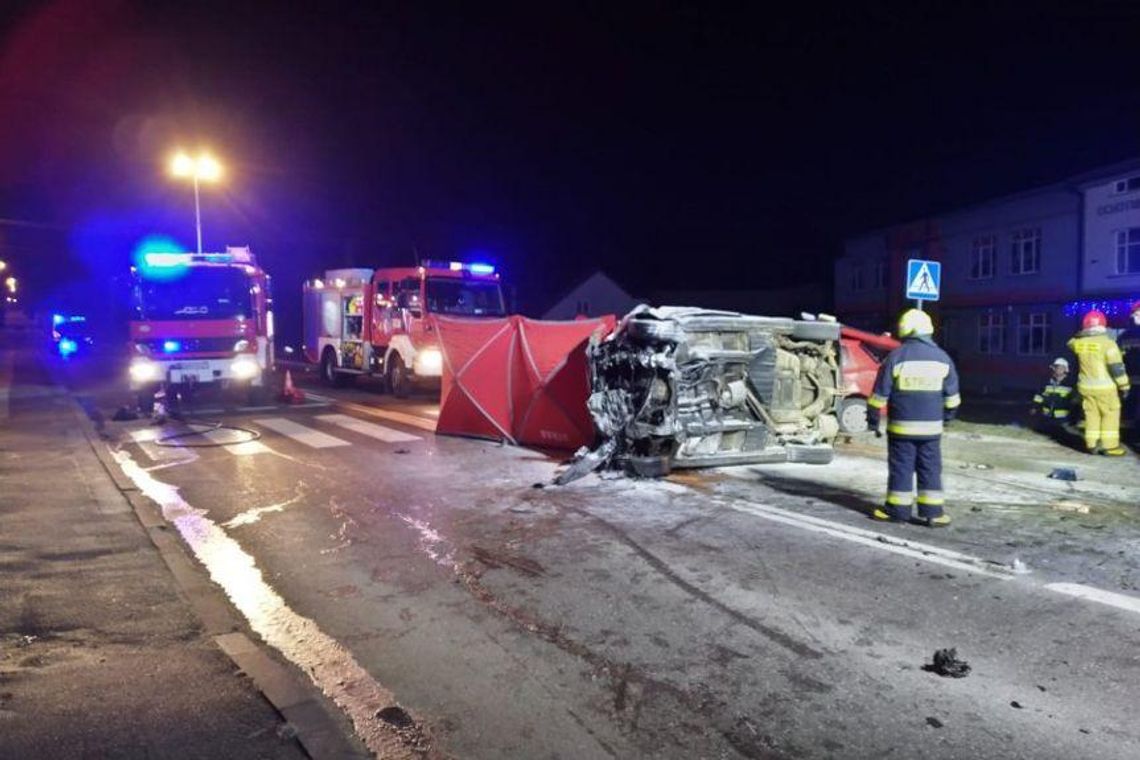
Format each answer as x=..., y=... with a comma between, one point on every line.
x=1115, y=451
x=890, y=514
x=937, y=522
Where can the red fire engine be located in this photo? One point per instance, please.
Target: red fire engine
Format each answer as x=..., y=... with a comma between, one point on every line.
x=200, y=319
x=377, y=322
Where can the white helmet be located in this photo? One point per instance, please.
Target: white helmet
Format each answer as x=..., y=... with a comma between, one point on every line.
x=1061, y=361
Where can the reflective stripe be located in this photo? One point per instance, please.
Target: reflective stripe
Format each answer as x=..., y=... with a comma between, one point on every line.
x=953, y=402
x=1058, y=390
x=876, y=401
x=930, y=497
x=1060, y=413
x=900, y=498
x=1038, y=399
x=920, y=375
x=1096, y=384
x=915, y=427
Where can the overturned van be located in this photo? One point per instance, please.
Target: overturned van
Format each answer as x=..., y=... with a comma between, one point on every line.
x=686, y=387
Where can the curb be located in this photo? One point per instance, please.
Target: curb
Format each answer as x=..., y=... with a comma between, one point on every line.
x=293, y=696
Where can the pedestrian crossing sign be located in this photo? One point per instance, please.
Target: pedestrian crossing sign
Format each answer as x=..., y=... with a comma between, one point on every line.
x=923, y=279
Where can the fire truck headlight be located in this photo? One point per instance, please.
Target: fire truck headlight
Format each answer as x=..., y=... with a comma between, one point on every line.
x=244, y=369
x=144, y=371
x=241, y=345
x=429, y=362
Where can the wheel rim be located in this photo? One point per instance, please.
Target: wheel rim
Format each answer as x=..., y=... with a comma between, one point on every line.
x=854, y=417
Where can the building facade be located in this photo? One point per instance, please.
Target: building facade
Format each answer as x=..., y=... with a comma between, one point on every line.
x=1018, y=273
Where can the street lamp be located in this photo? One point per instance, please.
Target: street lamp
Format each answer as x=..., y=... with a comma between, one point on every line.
x=11, y=283
x=204, y=168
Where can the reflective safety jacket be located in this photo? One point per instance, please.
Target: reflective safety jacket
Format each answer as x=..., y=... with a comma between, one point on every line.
x=1101, y=364
x=1054, y=401
x=921, y=384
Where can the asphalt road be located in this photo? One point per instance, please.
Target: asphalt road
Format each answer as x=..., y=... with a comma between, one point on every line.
x=751, y=612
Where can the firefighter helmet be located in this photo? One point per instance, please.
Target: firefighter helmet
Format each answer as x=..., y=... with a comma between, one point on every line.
x=1135, y=307
x=1094, y=320
x=1061, y=361
x=915, y=322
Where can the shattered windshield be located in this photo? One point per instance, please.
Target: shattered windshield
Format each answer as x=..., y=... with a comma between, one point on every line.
x=466, y=297
x=199, y=293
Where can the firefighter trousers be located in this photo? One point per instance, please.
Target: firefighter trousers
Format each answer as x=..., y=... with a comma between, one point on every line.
x=1102, y=418
x=906, y=458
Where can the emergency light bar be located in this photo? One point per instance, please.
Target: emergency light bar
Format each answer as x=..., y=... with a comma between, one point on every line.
x=231, y=256
x=460, y=266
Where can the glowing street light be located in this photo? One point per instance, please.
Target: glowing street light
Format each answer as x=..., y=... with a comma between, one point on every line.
x=204, y=168
x=11, y=283
x=3, y=265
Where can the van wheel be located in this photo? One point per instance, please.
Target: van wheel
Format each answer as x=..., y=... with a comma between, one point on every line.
x=397, y=377
x=853, y=415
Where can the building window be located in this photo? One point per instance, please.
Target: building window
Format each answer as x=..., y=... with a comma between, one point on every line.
x=858, y=281
x=991, y=333
x=1128, y=251
x=1129, y=185
x=1033, y=334
x=983, y=255
x=881, y=275
x=1026, y=251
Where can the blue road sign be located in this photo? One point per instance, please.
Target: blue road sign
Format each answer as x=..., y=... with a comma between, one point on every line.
x=923, y=279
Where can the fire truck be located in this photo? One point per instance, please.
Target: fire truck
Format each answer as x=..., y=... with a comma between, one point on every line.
x=377, y=322
x=200, y=320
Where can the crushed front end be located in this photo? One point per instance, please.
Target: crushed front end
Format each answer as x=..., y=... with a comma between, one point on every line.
x=686, y=387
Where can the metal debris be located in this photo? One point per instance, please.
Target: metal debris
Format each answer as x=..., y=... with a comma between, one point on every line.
x=1064, y=473
x=947, y=664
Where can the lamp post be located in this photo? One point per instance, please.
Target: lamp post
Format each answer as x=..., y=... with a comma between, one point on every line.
x=203, y=168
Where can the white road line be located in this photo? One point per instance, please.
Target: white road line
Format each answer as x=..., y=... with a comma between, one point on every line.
x=300, y=433
x=913, y=549
x=147, y=438
x=1120, y=601
x=401, y=417
x=244, y=448
x=370, y=429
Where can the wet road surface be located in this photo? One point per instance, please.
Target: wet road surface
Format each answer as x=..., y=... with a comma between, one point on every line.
x=751, y=612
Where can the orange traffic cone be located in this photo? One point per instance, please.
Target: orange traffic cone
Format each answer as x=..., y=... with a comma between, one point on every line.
x=291, y=394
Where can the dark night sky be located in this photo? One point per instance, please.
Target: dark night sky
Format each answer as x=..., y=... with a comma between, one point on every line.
x=674, y=145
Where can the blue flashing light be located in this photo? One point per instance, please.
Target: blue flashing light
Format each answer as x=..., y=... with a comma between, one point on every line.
x=166, y=259
x=480, y=268
x=58, y=319
x=1110, y=307
x=171, y=346
x=67, y=347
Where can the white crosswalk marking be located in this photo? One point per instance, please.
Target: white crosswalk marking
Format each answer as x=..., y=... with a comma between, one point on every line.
x=244, y=448
x=300, y=433
x=370, y=429
x=147, y=441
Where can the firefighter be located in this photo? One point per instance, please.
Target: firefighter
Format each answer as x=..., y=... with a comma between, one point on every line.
x=1129, y=342
x=919, y=380
x=1053, y=404
x=1101, y=377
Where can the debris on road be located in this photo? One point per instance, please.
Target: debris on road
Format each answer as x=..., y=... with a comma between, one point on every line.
x=1064, y=473
x=947, y=664
x=934, y=722
x=687, y=387
x=1016, y=704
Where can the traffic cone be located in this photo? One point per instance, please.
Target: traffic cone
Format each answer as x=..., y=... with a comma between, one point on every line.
x=291, y=394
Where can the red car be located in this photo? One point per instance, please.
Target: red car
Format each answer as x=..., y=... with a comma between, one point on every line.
x=861, y=354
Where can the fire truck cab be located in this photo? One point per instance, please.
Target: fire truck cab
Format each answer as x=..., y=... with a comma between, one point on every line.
x=200, y=320
x=378, y=322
